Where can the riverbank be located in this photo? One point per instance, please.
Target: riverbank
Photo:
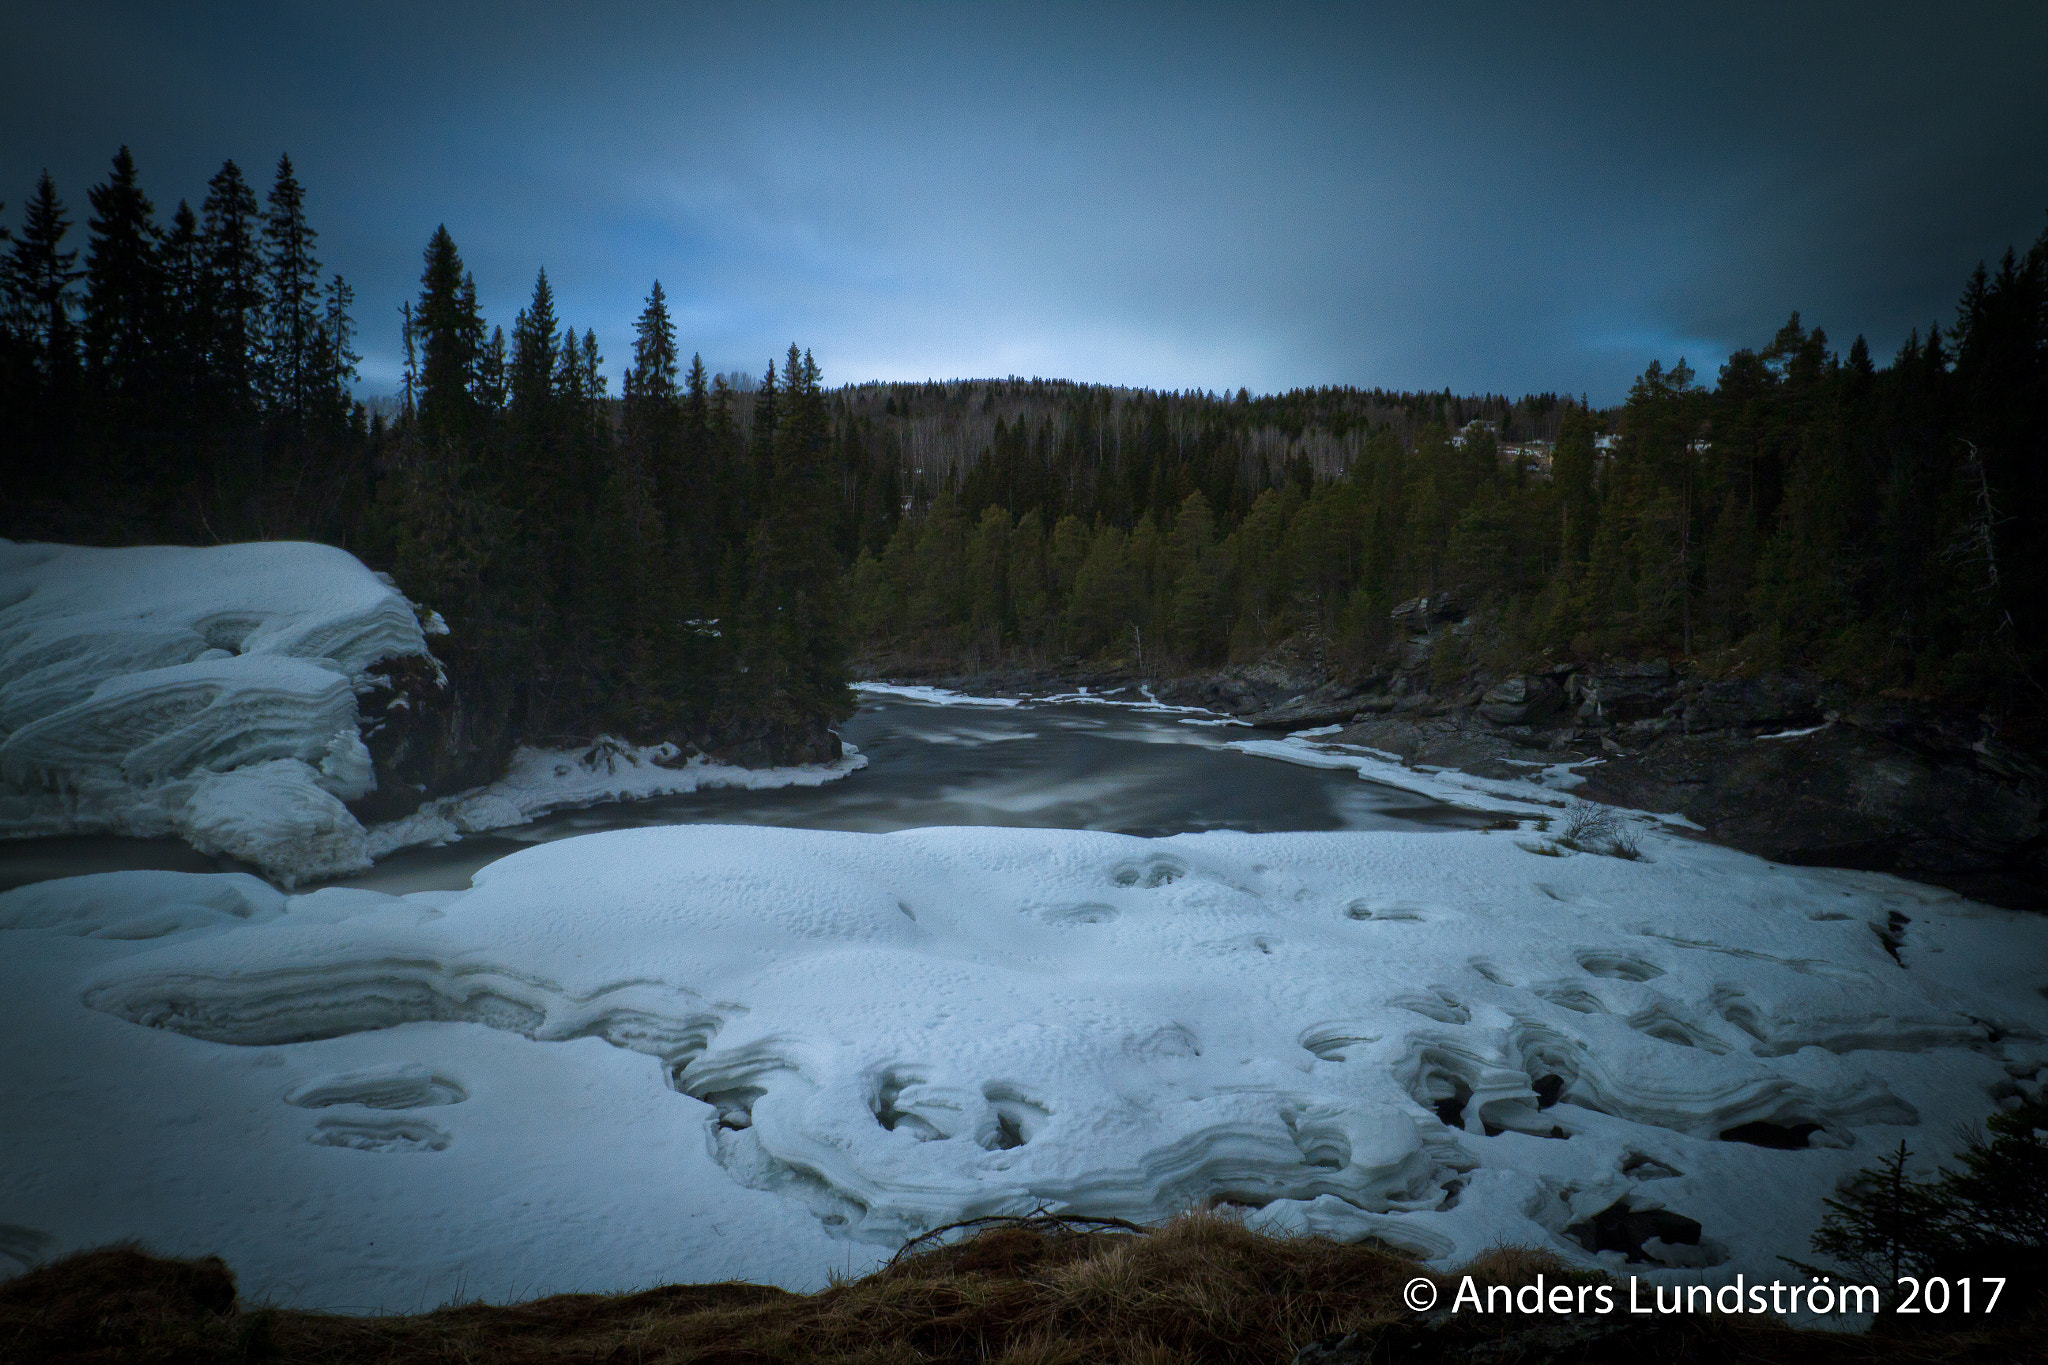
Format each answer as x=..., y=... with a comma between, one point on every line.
x=1788, y=767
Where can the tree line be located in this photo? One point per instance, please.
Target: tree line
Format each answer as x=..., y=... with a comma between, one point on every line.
x=655, y=564
x=694, y=557
x=1882, y=525
x=188, y=381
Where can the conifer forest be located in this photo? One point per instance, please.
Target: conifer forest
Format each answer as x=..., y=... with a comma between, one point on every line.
x=704, y=556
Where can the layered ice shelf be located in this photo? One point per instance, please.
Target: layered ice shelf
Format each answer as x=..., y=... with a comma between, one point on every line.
x=211, y=695
x=208, y=694
x=699, y=1052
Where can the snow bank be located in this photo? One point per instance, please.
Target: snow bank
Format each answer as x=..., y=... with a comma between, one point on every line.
x=932, y=696
x=538, y=781
x=208, y=694
x=697, y=1052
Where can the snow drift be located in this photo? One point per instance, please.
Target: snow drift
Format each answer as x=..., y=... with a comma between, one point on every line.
x=213, y=695
x=207, y=694
x=700, y=1052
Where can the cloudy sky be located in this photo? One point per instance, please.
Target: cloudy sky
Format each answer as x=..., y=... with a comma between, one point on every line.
x=1488, y=197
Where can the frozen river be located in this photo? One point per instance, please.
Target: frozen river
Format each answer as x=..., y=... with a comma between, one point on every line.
x=1047, y=765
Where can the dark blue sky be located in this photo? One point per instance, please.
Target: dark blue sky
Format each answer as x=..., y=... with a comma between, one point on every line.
x=1487, y=197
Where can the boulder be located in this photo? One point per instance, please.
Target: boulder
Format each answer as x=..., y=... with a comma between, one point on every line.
x=1302, y=713
x=1775, y=702
x=1420, y=615
x=432, y=730
x=1521, y=701
x=1628, y=689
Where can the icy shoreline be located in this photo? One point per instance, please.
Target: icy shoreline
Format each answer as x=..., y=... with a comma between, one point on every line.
x=540, y=781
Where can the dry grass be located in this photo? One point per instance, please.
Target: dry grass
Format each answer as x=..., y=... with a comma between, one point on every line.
x=1202, y=1288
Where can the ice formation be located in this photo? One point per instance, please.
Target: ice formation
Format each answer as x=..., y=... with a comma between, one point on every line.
x=208, y=694
x=537, y=781
x=689, y=1053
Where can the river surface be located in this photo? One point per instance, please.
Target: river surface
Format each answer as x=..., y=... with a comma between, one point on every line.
x=1063, y=765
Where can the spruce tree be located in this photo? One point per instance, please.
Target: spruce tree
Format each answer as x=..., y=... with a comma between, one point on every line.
x=336, y=358
x=37, y=278
x=123, y=291
x=234, y=295
x=446, y=327
x=182, y=327
x=534, y=352
x=292, y=321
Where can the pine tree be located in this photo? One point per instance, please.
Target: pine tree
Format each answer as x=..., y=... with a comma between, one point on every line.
x=336, y=357
x=183, y=322
x=234, y=294
x=492, y=381
x=652, y=378
x=291, y=359
x=534, y=352
x=123, y=290
x=37, y=278
x=446, y=327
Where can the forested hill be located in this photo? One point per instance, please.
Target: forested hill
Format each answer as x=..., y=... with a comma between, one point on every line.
x=697, y=557
x=1884, y=525
x=1055, y=447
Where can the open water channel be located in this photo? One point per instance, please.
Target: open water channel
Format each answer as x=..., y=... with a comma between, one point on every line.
x=1060, y=764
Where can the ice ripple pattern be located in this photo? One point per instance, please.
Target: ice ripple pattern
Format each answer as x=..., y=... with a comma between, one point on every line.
x=1400, y=1036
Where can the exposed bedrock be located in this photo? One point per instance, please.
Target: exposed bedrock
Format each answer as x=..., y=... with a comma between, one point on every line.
x=1783, y=766
x=1787, y=766
x=432, y=730
x=763, y=742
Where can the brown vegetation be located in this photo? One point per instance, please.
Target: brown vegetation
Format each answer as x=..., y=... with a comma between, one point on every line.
x=1037, y=1291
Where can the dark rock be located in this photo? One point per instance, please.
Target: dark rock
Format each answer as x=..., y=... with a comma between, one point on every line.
x=1620, y=690
x=1922, y=802
x=430, y=735
x=1620, y=1227
x=776, y=744
x=1776, y=702
x=1303, y=715
x=1521, y=701
x=1420, y=615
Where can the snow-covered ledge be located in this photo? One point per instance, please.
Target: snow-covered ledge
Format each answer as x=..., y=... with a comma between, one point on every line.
x=211, y=694
x=203, y=693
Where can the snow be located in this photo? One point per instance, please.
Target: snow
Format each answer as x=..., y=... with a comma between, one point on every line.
x=1529, y=796
x=932, y=696
x=208, y=694
x=698, y=1052
x=538, y=781
x=1796, y=734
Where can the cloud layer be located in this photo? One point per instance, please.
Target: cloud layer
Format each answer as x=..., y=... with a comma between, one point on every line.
x=1485, y=199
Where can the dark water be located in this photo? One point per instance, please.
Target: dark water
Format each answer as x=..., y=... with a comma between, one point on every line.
x=1054, y=765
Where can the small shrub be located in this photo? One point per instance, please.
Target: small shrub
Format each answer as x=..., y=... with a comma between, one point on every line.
x=1593, y=828
x=1588, y=825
